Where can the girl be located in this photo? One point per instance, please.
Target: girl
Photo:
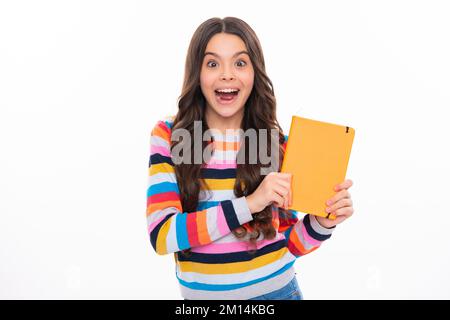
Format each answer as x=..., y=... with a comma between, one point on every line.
x=226, y=223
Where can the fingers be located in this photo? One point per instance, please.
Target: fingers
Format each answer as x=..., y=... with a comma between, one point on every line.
x=277, y=199
x=288, y=177
x=282, y=188
x=283, y=175
x=344, y=185
x=290, y=197
x=339, y=219
x=346, y=202
x=278, y=188
x=340, y=206
x=338, y=196
x=344, y=212
x=286, y=183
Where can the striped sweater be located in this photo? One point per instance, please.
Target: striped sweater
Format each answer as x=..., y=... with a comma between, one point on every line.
x=219, y=265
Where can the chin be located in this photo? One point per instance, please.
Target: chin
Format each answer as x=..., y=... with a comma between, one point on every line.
x=228, y=113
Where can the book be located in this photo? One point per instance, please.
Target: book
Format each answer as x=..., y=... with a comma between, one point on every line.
x=317, y=155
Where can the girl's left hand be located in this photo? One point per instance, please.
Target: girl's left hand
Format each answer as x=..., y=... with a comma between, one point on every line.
x=340, y=204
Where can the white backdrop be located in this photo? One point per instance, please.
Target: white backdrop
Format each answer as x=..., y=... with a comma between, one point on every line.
x=82, y=83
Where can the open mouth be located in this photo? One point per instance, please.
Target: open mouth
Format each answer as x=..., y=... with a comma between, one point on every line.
x=226, y=96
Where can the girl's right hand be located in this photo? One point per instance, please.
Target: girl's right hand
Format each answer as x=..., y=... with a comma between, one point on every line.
x=274, y=189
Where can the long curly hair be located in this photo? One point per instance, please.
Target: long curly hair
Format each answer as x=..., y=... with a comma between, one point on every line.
x=259, y=113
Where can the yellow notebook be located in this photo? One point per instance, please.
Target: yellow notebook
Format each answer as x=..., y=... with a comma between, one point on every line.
x=317, y=155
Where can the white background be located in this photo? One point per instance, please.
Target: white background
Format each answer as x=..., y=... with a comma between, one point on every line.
x=82, y=83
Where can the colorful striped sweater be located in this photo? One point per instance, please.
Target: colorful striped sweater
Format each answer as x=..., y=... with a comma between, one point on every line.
x=219, y=265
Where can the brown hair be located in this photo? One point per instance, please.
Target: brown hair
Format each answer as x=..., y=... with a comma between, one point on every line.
x=259, y=113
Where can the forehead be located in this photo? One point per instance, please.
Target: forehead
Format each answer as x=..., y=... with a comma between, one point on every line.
x=225, y=44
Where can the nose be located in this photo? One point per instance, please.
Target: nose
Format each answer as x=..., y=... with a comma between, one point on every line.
x=227, y=75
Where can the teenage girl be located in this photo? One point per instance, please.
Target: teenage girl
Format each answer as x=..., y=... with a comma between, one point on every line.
x=225, y=222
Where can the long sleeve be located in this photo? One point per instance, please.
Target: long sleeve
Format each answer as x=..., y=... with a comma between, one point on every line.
x=169, y=228
x=305, y=235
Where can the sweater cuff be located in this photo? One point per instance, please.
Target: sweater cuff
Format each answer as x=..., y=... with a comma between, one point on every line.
x=315, y=230
x=236, y=212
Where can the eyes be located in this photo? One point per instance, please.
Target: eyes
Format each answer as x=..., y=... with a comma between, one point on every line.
x=239, y=63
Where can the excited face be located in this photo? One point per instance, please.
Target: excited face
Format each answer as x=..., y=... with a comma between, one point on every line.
x=226, y=78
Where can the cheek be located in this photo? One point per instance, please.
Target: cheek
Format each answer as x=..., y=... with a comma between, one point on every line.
x=247, y=79
x=206, y=81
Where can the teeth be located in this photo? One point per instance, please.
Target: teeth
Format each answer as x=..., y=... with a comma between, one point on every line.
x=227, y=90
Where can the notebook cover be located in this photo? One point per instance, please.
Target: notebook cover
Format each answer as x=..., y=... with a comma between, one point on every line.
x=317, y=155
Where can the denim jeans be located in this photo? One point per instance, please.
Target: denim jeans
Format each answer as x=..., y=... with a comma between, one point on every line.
x=291, y=291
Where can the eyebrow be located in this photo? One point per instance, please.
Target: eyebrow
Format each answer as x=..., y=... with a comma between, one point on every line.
x=235, y=55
